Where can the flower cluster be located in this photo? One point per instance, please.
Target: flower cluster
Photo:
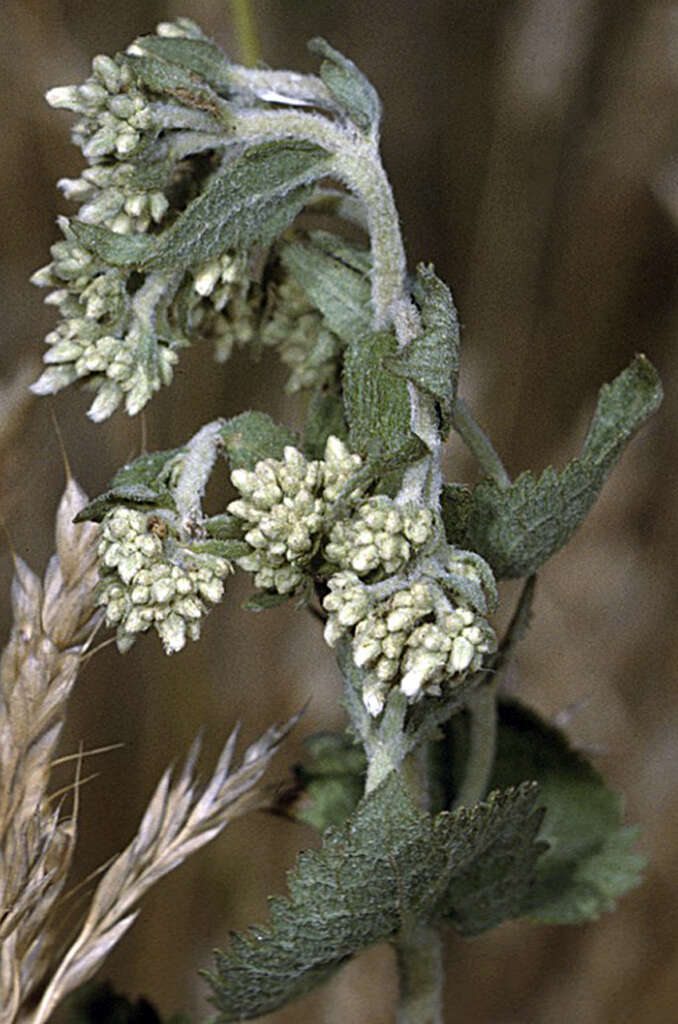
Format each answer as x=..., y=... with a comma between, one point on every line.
x=150, y=578
x=295, y=327
x=224, y=304
x=115, y=112
x=284, y=503
x=380, y=536
x=424, y=632
x=106, y=336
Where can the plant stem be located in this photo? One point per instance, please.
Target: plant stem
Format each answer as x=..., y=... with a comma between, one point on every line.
x=246, y=32
x=482, y=707
x=418, y=946
x=419, y=958
x=479, y=444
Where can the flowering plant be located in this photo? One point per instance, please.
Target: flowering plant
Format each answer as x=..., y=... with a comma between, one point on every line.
x=198, y=222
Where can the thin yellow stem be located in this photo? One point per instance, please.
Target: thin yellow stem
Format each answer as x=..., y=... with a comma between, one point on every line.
x=246, y=32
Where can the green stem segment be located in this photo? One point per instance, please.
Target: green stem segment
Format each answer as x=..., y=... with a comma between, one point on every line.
x=479, y=444
x=482, y=707
x=419, y=959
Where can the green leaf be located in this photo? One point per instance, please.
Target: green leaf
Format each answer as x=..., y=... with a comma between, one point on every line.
x=250, y=199
x=325, y=416
x=173, y=80
x=112, y=248
x=224, y=526
x=350, y=88
x=141, y=482
x=252, y=436
x=390, y=865
x=431, y=361
x=261, y=602
x=456, y=503
x=492, y=883
x=330, y=782
x=377, y=403
x=201, y=56
x=589, y=863
x=336, y=277
x=228, y=549
x=518, y=528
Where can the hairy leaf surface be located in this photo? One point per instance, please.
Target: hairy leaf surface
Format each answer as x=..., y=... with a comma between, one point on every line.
x=349, y=86
x=518, y=528
x=336, y=277
x=251, y=199
x=201, y=56
x=494, y=883
x=141, y=482
x=390, y=865
x=431, y=360
x=377, y=403
x=252, y=436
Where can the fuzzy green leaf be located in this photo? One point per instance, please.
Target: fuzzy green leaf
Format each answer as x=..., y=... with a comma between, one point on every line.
x=229, y=549
x=336, y=277
x=224, y=526
x=389, y=866
x=251, y=199
x=350, y=88
x=518, y=528
x=431, y=361
x=261, y=602
x=495, y=882
x=172, y=79
x=377, y=403
x=252, y=436
x=112, y=248
x=590, y=862
x=141, y=482
x=201, y=56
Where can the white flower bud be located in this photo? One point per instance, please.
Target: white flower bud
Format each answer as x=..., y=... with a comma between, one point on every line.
x=461, y=655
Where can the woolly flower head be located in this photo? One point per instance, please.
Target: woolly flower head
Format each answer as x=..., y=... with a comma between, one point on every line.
x=283, y=504
x=382, y=536
x=149, y=578
x=420, y=637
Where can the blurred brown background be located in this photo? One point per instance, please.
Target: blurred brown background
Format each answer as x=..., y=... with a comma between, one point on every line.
x=532, y=146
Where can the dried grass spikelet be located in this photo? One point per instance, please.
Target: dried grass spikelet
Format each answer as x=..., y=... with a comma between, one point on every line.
x=178, y=820
x=52, y=622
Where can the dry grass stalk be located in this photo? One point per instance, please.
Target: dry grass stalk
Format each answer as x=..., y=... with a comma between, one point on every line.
x=178, y=820
x=52, y=622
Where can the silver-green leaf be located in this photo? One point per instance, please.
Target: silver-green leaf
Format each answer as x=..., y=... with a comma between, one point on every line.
x=388, y=867
x=349, y=86
x=251, y=199
x=518, y=528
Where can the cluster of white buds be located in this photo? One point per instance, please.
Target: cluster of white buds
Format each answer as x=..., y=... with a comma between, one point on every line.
x=421, y=636
x=223, y=308
x=79, y=350
x=115, y=113
x=304, y=344
x=380, y=536
x=285, y=501
x=149, y=578
x=105, y=336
